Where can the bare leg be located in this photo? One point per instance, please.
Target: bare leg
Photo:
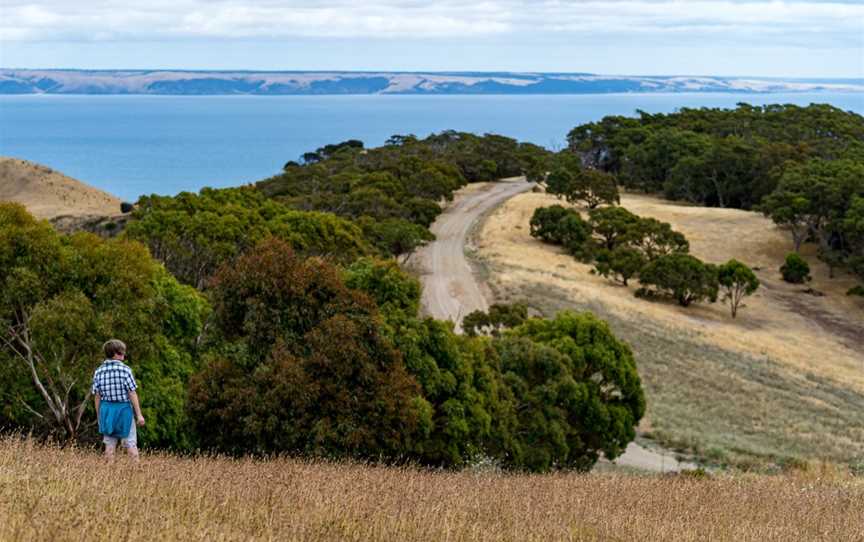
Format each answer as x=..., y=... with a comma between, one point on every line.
x=109, y=451
x=133, y=453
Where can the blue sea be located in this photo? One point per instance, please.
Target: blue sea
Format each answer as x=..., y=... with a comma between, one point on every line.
x=133, y=145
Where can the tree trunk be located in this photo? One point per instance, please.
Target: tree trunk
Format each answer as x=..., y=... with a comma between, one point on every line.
x=798, y=238
x=717, y=189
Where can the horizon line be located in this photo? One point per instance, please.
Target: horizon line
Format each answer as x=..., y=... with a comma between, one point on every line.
x=435, y=72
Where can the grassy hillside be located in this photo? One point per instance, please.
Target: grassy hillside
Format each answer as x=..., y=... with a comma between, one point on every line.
x=49, y=194
x=782, y=382
x=50, y=494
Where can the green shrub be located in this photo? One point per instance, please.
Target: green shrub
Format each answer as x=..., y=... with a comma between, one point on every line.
x=558, y=225
x=594, y=187
x=500, y=316
x=393, y=290
x=395, y=236
x=611, y=226
x=559, y=181
x=795, y=270
x=654, y=238
x=544, y=394
x=680, y=276
x=569, y=180
x=193, y=234
x=856, y=290
x=465, y=406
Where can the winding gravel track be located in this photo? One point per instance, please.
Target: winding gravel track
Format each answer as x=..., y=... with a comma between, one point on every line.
x=451, y=290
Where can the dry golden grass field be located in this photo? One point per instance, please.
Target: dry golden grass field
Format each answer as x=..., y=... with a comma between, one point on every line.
x=782, y=382
x=48, y=194
x=59, y=495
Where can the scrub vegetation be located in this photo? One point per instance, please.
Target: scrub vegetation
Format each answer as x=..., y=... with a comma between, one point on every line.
x=294, y=331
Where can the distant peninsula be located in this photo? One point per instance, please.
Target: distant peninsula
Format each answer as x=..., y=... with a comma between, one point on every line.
x=178, y=82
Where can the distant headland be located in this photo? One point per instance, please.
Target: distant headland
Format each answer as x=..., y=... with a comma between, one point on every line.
x=180, y=82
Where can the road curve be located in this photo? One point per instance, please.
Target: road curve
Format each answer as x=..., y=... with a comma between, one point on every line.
x=451, y=290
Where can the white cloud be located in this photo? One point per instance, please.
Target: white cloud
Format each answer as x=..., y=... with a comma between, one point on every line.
x=123, y=20
x=232, y=19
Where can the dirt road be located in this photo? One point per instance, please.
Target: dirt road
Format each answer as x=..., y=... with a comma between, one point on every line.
x=451, y=290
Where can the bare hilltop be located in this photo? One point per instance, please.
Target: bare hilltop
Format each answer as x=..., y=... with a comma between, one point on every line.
x=49, y=194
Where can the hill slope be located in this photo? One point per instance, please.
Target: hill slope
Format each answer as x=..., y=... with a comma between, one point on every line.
x=63, y=494
x=49, y=194
x=783, y=381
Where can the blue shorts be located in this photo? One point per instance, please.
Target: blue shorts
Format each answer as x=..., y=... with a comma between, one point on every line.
x=129, y=442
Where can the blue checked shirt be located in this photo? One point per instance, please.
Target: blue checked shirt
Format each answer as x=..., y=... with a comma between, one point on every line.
x=113, y=381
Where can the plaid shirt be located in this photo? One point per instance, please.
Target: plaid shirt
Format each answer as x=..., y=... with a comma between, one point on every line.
x=113, y=381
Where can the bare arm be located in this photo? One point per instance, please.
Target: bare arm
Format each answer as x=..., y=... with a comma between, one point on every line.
x=133, y=397
x=97, y=400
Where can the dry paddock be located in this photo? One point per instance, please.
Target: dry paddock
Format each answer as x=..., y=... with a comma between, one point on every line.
x=53, y=494
x=782, y=381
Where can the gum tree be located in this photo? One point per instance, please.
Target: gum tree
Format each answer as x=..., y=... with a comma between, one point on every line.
x=682, y=277
x=737, y=281
x=61, y=297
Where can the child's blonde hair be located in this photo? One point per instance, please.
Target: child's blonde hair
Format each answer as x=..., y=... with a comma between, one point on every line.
x=114, y=347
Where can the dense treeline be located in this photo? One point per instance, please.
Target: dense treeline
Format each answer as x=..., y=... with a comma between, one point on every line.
x=823, y=202
x=285, y=352
x=404, y=179
x=193, y=234
x=307, y=361
x=801, y=166
x=717, y=157
x=344, y=201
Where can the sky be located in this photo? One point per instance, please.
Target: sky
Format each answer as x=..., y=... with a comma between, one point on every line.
x=792, y=38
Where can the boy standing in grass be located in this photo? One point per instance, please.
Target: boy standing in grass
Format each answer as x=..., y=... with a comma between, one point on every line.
x=115, y=396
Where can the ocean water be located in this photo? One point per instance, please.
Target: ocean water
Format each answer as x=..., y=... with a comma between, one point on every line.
x=133, y=145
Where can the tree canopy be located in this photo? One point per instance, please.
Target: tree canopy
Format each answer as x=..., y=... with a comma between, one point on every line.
x=500, y=316
x=802, y=166
x=560, y=226
x=575, y=183
x=577, y=388
x=717, y=157
x=405, y=178
x=682, y=277
x=737, y=281
x=299, y=364
x=538, y=394
x=821, y=200
x=61, y=297
x=194, y=234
